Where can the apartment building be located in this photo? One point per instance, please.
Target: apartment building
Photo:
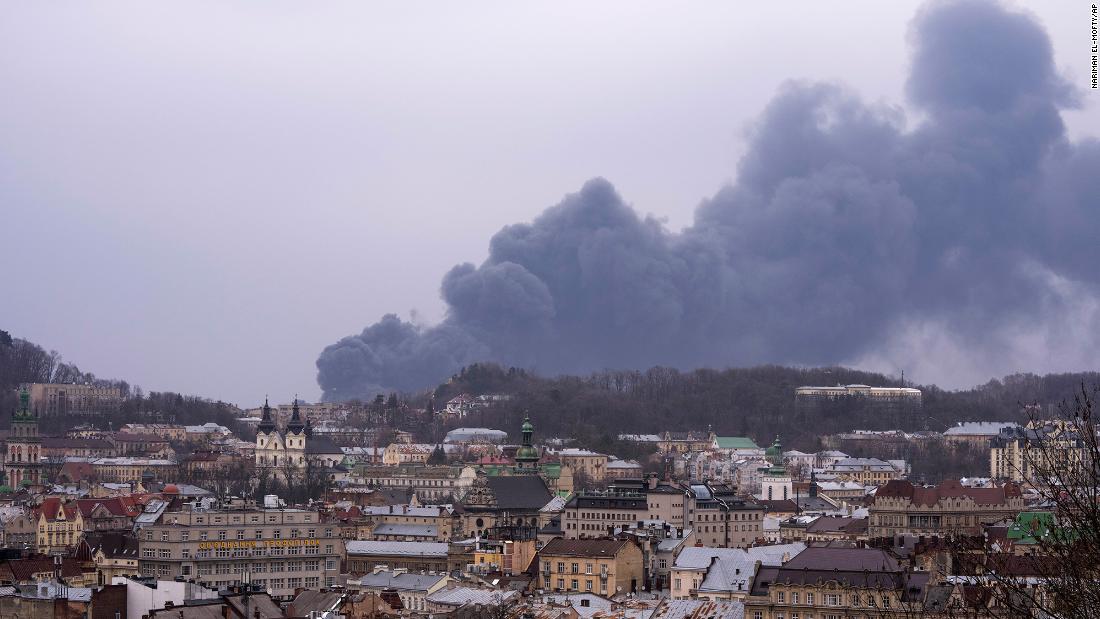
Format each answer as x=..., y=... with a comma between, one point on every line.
x=720, y=518
x=947, y=509
x=365, y=556
x=1021, y=454
x=279, y=549
x=432, y=484
x=837, y=582
x=626, y=502
x=603, y=566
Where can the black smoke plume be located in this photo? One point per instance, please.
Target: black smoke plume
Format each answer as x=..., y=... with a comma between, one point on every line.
x=967, y=239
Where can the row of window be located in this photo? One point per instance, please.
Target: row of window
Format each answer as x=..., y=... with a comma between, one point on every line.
x=574, y=584
x=833, y=599
x=206, y=553
x=185, y=536
x=575, y=568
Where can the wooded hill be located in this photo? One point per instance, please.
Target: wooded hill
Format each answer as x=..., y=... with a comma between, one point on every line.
x=757, y=402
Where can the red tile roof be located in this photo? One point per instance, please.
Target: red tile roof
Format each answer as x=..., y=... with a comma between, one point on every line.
x=948, y=489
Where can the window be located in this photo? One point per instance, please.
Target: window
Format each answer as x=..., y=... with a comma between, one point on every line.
x=330, y=564
x=832, y=599
x=561, y=567
x=561, y=583
x=221, y=535
x=588, y=585
x=573, y=584
x=259, y=534
x=794, y=600
x=576, y=568
x=781, y=597
x=277, y=534
x=185, y=536
x=240, y=534
x=810, y=598
x=203, y=536
x=186, y=553
x=164, y=536
x=886, y=601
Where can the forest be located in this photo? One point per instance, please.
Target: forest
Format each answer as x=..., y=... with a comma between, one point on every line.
x=758, y=402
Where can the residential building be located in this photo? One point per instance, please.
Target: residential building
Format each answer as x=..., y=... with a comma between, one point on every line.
x=114, y=553
x=1021, y=454
x=623, y=469
x=866, y=471
x=975, y=433
x=836, y=582
x=412, y=588
x=283, y=549
x=590, y=465
x=701, y=572
x=364, y=556
x=604, y=566
x=431, y=484
x=720, y=518
x=947, y=509
x=60, y=526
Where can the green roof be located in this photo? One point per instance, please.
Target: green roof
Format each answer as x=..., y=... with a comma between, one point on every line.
x=736, y=442
x=1029, y=526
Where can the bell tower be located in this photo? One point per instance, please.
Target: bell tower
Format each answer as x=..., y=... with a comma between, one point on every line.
x=22, y=462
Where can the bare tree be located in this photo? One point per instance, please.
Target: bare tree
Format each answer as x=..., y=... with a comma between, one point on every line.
x=1060, y=577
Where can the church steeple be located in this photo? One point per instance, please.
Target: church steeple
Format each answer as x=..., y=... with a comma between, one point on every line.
x=267, y=424
x=23, y=413
x=295, y=425
x=527, y=457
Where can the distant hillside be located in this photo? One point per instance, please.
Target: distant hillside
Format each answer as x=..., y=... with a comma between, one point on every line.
x=756, y=401
x=22, y=361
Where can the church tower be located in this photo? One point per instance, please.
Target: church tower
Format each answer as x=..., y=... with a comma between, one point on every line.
x=527, y=457
x=269, y=448
x=296, y=436
x=22, y=465
x=776, y=483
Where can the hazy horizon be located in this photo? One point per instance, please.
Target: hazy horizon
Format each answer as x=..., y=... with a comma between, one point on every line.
x=202, y=198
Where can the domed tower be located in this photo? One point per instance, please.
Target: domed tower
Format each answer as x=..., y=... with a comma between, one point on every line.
x=776, y=484
x=527, y=457
x=23, y=459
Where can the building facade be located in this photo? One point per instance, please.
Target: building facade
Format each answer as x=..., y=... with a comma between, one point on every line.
x=602, y=566
x=50, y=399
x=279, y=549
x=944, y=510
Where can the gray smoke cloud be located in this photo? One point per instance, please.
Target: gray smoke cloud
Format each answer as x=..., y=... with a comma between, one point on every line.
x=848, y=235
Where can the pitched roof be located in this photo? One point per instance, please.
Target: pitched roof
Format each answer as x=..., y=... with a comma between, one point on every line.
x=838, y=524
x=397, y=549
x=114, y=505
x=947, y=489
x=735, y=442
x=113, y=544
x=51, y=507
x=25, y=569
x=519, y=492
x=322, y=445
x=595, y=548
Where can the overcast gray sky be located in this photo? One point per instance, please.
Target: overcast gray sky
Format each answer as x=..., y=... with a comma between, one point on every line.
x=201, y=196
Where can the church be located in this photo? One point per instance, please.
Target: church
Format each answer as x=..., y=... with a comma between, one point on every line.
x=294, y=447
